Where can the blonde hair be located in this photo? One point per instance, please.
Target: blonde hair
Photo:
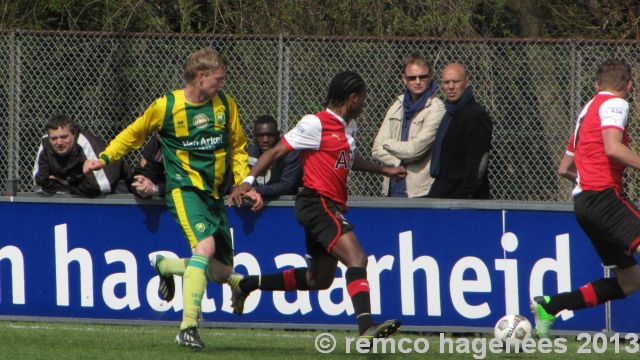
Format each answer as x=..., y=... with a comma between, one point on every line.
x=206, y=59
x=416, y=58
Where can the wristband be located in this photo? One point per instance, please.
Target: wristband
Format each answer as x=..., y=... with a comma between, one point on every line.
x=249, y=179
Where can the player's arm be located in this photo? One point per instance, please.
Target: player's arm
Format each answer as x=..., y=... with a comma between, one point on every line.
x=237, y=144
x=289, y=178
x=266, y=160
x=567, y=168
x=360, y=164
x=132, y=137
x=616, y=150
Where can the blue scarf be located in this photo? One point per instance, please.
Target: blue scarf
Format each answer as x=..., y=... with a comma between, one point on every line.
x=451, y=109
x=409, y=111
x=411, y=108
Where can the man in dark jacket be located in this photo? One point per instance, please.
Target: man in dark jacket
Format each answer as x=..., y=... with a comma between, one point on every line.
x=462, y=143
x=62, y=153
x=285, y=176
x=149, y=177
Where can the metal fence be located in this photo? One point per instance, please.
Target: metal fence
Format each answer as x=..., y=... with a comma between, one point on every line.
x=533, y=90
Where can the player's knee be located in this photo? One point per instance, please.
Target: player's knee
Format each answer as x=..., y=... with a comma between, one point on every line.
x=320, y=283
x=630, y=287
x=361, y=260
x=629, y=282
x=220, y=277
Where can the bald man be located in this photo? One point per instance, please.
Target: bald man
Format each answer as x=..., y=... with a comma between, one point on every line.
x=462, y=143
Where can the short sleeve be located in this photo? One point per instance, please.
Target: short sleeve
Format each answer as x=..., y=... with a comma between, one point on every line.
x=306, y=135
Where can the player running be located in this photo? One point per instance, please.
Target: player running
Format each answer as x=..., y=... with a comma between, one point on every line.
x=602, y=209
x=201, y=137
x=328, y=152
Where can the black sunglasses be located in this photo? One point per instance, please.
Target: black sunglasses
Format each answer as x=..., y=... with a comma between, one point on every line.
x=415, y=77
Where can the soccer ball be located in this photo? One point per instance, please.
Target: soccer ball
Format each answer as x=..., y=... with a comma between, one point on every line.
x=512, y=329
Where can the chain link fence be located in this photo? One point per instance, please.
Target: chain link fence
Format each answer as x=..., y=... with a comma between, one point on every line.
x=533, y=90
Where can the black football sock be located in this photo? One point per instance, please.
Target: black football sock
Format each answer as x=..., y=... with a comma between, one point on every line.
x=589, y=295
x=358, y=289
x=291, y=279
x=249, y=283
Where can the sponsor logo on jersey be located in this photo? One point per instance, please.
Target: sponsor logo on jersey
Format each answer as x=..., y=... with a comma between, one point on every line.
x=617, y=111
x=220, y=118
x=210, y=143
x=337, y=136
x=342, y=161
x=300, y=129
x=200, y=227
x=200, y=120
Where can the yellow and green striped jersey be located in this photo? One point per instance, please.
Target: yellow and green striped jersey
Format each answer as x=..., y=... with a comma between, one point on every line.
x=199, y=141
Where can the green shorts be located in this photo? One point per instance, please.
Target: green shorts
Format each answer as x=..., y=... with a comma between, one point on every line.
x=201, y=216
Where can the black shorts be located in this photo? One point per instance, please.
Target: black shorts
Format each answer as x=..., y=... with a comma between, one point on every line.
x=322, y=221
x=612, y=223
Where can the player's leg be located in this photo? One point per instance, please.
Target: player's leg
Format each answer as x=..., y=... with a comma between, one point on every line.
x=221, y=264
x=322, y=229
x=349, y=252
x=191, y=209
x=613, y=226
x=167, y=268
x=218, y=271
x=195, y=281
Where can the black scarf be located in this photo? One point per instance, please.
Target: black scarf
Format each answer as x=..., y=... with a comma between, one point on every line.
x=451, y=109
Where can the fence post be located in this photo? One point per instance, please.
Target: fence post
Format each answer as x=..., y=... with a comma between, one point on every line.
x=11, y=182
x=283, y=84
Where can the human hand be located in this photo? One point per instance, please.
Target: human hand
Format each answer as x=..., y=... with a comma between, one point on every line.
x=61, y=181
x=238, y=193
x=144, y=187
x=397, y=172
x=255, y=198
x=92, y=165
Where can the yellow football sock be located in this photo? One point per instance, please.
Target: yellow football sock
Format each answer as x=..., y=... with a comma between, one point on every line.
x=169, y=266
x=194, y=285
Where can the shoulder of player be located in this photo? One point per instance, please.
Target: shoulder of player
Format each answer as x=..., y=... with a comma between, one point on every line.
x=310, y=121
x=230, y=98
x=614, y=107
x=616, y=102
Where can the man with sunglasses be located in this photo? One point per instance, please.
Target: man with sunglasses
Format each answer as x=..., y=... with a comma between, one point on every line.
x=408, y=130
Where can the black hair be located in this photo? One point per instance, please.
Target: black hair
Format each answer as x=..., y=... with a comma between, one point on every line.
x=60, y=120
x=341, y=86
x=265, y=119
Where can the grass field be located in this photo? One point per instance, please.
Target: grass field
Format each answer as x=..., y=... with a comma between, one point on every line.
x=30, y=340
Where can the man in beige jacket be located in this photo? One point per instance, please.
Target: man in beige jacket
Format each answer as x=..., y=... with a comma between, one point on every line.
x=409, y=129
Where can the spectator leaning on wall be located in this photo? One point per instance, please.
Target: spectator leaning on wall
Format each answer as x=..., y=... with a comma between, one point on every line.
x=62, y=153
